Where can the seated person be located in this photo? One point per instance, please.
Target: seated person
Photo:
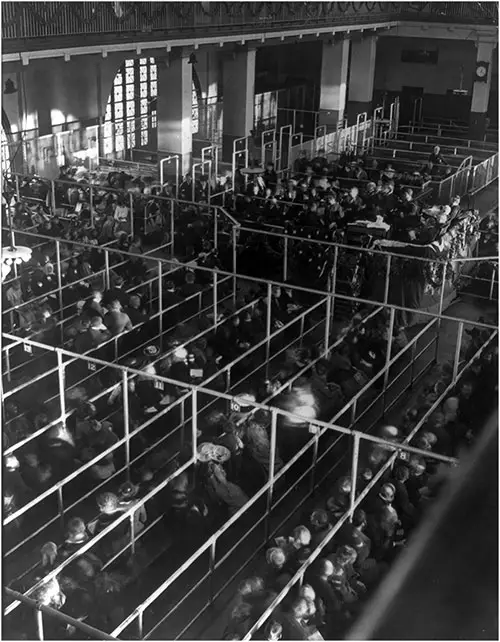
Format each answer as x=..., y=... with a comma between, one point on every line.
x=93, y=336
x=135, y=310
x=116, y=320
x=110, y=509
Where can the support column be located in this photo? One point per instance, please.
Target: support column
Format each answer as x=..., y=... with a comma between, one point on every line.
x=174, y=108
x=238, y=98
x=481, y=92
x=361, y=77
x=334, y=67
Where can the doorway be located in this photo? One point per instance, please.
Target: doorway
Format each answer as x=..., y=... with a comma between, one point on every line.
x=407, y=101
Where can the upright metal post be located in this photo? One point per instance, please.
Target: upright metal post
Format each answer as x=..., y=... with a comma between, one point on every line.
x=285, y=260
x=216, y=227
x=211, y=568
x=131, y=205
x=172, y=229
x=390, y=334
x=160, y=301
x=53, y=195
x=132, y=534
x=328, y=321
x=194, y=422
x=62, y=387
x=60, y=506
x=59, y=276
x=235, y=260
x=440, y=309
x=183, y=423
x=492, y=284
x=354, y=474
x=18, y=192
x=214, y=295
x=140, y=625
x=334, y=278
x=314, y=460
x=7, y=362
x=387, y=278
x=126, y=421
x=458, y=348
x=91, y=203
x=272, y=462
x=106, y=269
x=39, y=624
x=268, y=325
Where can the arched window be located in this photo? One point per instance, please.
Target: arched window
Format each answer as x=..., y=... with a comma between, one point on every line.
x=131, y=116
x=131, y=109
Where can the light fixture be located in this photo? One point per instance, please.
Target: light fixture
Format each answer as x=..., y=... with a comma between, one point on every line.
x=13, y=255
x=10, y=87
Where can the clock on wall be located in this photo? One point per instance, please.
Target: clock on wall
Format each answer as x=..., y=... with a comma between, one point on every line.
x=481, y=71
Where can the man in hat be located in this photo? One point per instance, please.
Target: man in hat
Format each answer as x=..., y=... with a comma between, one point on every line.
x=116, y=320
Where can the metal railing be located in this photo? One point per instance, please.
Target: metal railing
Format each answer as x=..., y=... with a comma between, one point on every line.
x=355, y=501
x=35, y=20
x=63, y=364
x=211, y=543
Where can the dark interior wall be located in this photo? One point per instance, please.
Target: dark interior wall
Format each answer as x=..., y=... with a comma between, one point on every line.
x=281, y=66
x=456, y=61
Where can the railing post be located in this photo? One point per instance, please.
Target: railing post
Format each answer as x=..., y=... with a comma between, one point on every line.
x=211, y=571
x=160, y=302
x=60, y=506
x=131, y=205
x=387, y=278
x=59, y=285
x=327, y=322
x=314, y=460
x=91, y=204
x=492, y=284
x=53, y=196
x=183, y=423
x=272, y=461
x=194, y=422
x=39, y=624
x=126, y=421
x=140, y=625
x=7, y=362
x=440, y=309
x=390, y=334
x=334, y=278
x=61, y=374
x=302, y=321
x=132, y=534
x=172, y=229
x=235, y=261
x=458, y=348
x=216, y=228
x=106, y=269
x=354, y=474
x=285, y=259
x=268, y=326
x=18, y=192
x=214, y=297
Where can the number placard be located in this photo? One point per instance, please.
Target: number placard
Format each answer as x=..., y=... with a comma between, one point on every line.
x=235, y=407
x=196, y=373
x=28, y=348
x=92, y=366
x=314, y=430
x=403, y=455
x=159, y=385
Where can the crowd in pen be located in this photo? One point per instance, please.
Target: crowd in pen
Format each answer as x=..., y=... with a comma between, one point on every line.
x=337, y=586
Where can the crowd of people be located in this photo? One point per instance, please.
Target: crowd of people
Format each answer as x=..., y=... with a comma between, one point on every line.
x=320, y=196
x=337, y=586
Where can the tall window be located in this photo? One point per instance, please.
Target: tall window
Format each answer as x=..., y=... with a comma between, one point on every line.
x=131, y=114
x=131, y=108
x=5, y=153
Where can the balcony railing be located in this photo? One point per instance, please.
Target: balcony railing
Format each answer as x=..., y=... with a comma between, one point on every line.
x=29, y=20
